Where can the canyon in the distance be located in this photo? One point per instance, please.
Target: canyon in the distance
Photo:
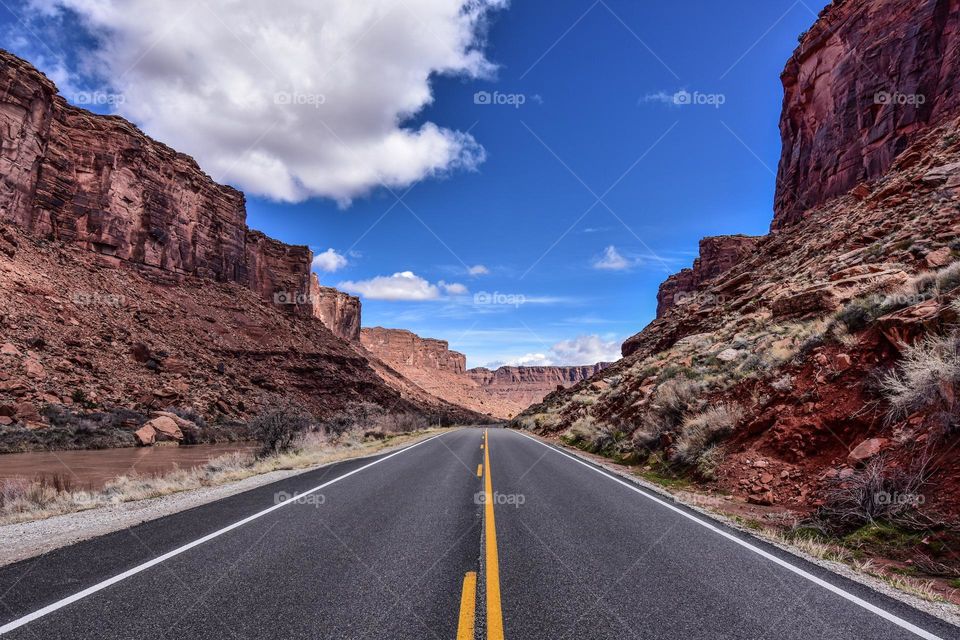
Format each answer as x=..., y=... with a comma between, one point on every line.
x=133, y=284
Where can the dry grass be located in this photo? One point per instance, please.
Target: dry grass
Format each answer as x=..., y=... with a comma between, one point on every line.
x=704, y=429
x=22, y=500
x=928, y=374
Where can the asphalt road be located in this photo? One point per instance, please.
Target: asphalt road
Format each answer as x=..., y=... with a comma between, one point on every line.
x=383, y=548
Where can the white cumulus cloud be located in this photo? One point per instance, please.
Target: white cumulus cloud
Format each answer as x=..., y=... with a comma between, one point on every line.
x=404, y=285
x=306, y=98
x=586, y=350
x=611, y=260
x=582, y=350
x=329, y=261
x=478, y=270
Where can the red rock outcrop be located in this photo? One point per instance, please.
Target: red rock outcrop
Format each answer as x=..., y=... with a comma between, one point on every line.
x=100, y=183
x=524, y=386
x=717, y=255
x=501, y=393
x=183, y=323
x=406, y=349
x=867, y=198
x=866, y=80
x=338, y=310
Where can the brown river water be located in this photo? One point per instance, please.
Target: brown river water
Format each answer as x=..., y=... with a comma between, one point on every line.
x=92, y=469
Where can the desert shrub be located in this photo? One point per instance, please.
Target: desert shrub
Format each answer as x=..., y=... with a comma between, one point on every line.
x=405, y=422
x=710, y=460
x=704, y=429
x=783, y=384
x=188, y=413
x=606, y=440
x=675, y=398
x=858, y=313
x=358, y=415
x=580, y=432
x=948, y=278
x=278, y=427
x=928, y=374
x=877, y=492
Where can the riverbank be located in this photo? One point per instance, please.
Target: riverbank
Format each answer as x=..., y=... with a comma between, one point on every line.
x=56, y=519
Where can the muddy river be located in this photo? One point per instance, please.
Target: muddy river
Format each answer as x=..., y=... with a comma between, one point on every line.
x=92, y=469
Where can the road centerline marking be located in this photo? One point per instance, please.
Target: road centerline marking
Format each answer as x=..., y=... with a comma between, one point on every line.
x=886, y=615
x=468, y=606
x=100, y=586
x=494, y=612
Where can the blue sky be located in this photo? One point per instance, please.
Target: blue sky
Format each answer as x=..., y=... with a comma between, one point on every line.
x=593, y=186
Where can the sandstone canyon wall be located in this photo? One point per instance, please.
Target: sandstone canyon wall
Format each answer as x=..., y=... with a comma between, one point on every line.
x=407, y=349
x=431, y=364
x=524, y=386
x=338, y=310
x=866, y=80
x=100, y=183
x=717, y=254
x=206, y=314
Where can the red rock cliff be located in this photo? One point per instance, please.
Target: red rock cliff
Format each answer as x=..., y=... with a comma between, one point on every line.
x=524, y=386
x=99, y=182
x=336, y=309
x=866, y=80
x=402, y=348
x=717, y=255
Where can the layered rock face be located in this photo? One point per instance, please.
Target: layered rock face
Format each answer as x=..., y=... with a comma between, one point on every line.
x=866, y=80
x=523, y=386
x=184, y=323
x=100, y=183
x=407, y=349
x=430, y=363
x=336, y=309
x=717, y=255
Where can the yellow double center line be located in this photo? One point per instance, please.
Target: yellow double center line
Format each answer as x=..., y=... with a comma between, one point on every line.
x=465, y=629
x=494, y=613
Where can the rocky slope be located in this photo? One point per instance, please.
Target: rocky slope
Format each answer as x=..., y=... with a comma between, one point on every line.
x=821, y=363
x=433, y=366
x=132, y=283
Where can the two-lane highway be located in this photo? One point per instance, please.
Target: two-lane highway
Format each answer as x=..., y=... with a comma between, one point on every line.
x=500, y=530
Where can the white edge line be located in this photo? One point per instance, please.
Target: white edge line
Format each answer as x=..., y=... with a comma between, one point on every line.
x=59, y=604
x=900, y=622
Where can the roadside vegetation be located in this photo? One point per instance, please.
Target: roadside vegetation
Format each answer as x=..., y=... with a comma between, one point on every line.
x=676, y=416
x=286, y=437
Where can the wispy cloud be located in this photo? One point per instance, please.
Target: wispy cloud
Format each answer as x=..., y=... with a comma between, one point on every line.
x=611, y=260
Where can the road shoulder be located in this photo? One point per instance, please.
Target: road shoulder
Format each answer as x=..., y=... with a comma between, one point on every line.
x=943, y=611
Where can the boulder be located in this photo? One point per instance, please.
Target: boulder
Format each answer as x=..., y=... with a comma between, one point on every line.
x=34, y=369
x=9, y=350
x=165, y=428
x=729, y=355
x=145, y=435
x=939, y=258
x=841, y=362
x=867, y=450
x=904, y=327
x=26, y=412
